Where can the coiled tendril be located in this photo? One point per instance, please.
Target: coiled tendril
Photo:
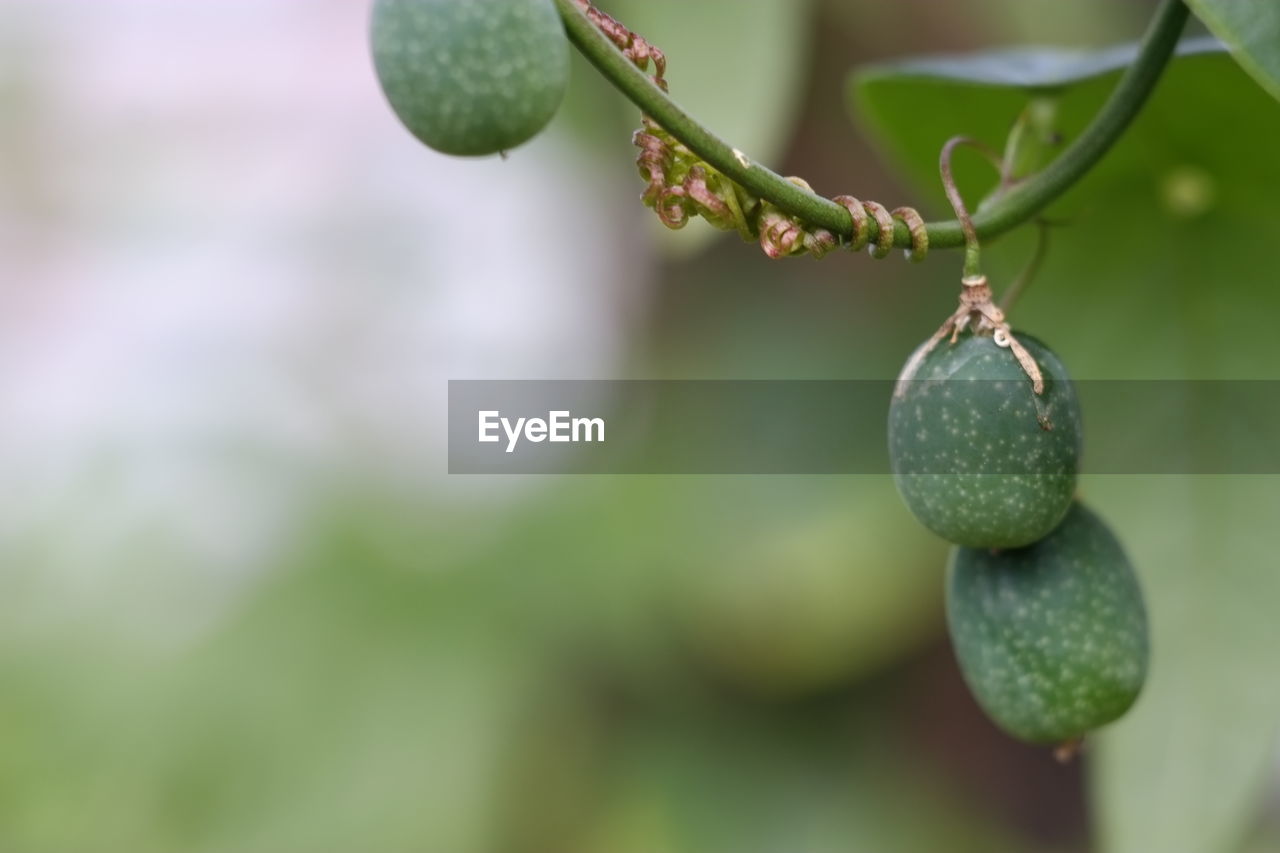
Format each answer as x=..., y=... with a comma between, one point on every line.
x=632, y=45
x=681, y=185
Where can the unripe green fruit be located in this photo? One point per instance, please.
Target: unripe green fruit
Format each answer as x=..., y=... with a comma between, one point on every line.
x=471, y=77
x=979, y=458
x=1052, y=638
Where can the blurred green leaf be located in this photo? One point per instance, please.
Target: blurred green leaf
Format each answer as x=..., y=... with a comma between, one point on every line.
x=783, y=585
x=1032, y=68
x=1188, y=768
x=1164, y=270
x=824, y=780
x=1045, y=73
x=1251, y=28
x=361, y=696
x=815, y=594
x=912, y=107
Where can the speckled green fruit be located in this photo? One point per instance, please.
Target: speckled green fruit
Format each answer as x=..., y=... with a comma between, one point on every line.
x=471, y=77
x=1051, y=638
x=979, y=458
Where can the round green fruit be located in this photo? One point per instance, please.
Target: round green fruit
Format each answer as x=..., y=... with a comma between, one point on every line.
x=978, y=456
x=1052, y=638
x=471, y=77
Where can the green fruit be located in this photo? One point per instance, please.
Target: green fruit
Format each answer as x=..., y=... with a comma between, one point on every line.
x=471, y=77
x=1052, y=638
x=979, y=458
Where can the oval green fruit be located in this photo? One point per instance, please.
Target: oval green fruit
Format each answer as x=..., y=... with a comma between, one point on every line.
x=471, y=77
x=1052, y=638
x=978, y=457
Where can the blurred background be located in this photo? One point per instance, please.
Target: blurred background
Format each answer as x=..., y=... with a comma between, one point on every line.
x=244, y=608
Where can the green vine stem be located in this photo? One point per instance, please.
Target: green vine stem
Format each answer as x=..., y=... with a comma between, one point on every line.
x=1018, y=205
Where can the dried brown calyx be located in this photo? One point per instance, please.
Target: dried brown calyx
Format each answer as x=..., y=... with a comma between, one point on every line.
x=979, y=313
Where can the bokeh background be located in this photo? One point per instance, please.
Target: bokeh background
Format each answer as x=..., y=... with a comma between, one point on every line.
x=244, y=608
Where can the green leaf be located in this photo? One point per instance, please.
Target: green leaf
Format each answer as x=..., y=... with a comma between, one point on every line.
x=1164, y=269
x=1187, y=769
x=1032, y=68
x=820, y=781
x=1251, y=28
x=804, y=600
x=911, y=107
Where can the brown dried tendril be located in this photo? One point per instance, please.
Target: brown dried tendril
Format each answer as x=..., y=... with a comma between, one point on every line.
x=633, y=46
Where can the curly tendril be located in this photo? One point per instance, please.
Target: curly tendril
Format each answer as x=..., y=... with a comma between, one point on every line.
x=972, y=248
x=681, y=185
x=861, y=233
x=863, y=212
x=633, y=46
x=919, y=233
x=884, y=223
